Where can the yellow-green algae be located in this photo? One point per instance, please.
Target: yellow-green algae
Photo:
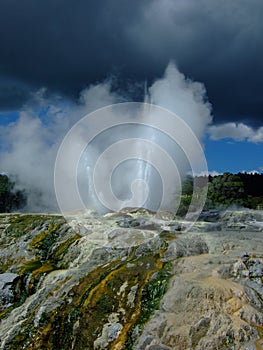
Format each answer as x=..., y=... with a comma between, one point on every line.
x=24, y=223
x=94, y=299
x=78, y=323
x=150, y=300
x=15, y=227
x=44, y=259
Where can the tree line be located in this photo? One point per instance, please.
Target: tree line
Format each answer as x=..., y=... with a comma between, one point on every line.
x=226, y=190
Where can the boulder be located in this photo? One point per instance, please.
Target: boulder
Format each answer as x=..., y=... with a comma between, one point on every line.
x=7, y=283
x=184, y=247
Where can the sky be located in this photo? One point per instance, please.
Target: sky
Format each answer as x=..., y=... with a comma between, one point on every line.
x=60, y=58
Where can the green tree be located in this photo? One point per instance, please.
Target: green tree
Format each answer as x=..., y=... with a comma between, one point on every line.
x=187, y=186
x=10, y=199
x=225, y=190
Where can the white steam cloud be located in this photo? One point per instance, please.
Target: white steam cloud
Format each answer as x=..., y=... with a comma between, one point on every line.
x=184, y=97
x=32, y=142
x=237, y=132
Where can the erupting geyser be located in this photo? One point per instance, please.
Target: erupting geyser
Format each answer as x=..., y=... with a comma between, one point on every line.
x=155, y=154
x=127, y=155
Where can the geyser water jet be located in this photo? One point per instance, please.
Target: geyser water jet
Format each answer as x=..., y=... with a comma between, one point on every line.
x=164, y=147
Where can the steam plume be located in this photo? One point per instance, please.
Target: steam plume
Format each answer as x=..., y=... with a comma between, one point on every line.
x=32, y=142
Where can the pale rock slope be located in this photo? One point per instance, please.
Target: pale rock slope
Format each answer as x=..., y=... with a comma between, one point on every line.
x=131, y=280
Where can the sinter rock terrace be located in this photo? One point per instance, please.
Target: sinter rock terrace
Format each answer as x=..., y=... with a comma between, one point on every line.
x=131, y=280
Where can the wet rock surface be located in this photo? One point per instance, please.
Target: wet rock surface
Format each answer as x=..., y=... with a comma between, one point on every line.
x=214, y=300
x=8, y=282
x=131, y=280
x=184, y=247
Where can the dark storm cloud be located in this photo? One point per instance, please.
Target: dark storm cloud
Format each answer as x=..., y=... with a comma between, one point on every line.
x=66, y=45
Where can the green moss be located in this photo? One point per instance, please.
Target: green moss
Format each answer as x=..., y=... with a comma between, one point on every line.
x=22, y=224
x=97, y=296
x=167, y=236
x=88, y=305
x=30, y=266
x=5, y=266
x=19, y=300
x=46, y=260
x=45, y=237
x=35, y=268
x=62, y=249
x=152, y=294
x=22, y=227
x=44, y=241
x=3, y=313
x=94, y=298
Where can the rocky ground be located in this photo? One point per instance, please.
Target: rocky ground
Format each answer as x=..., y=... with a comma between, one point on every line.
x=132, y=280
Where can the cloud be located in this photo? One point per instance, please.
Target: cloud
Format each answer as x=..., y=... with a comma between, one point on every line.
x=252, y=172
x=13, y=92
x=207, y=173
x=237, y=132
x=67, y=47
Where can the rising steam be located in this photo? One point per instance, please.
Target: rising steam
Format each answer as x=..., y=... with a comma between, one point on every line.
x=32, y=142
